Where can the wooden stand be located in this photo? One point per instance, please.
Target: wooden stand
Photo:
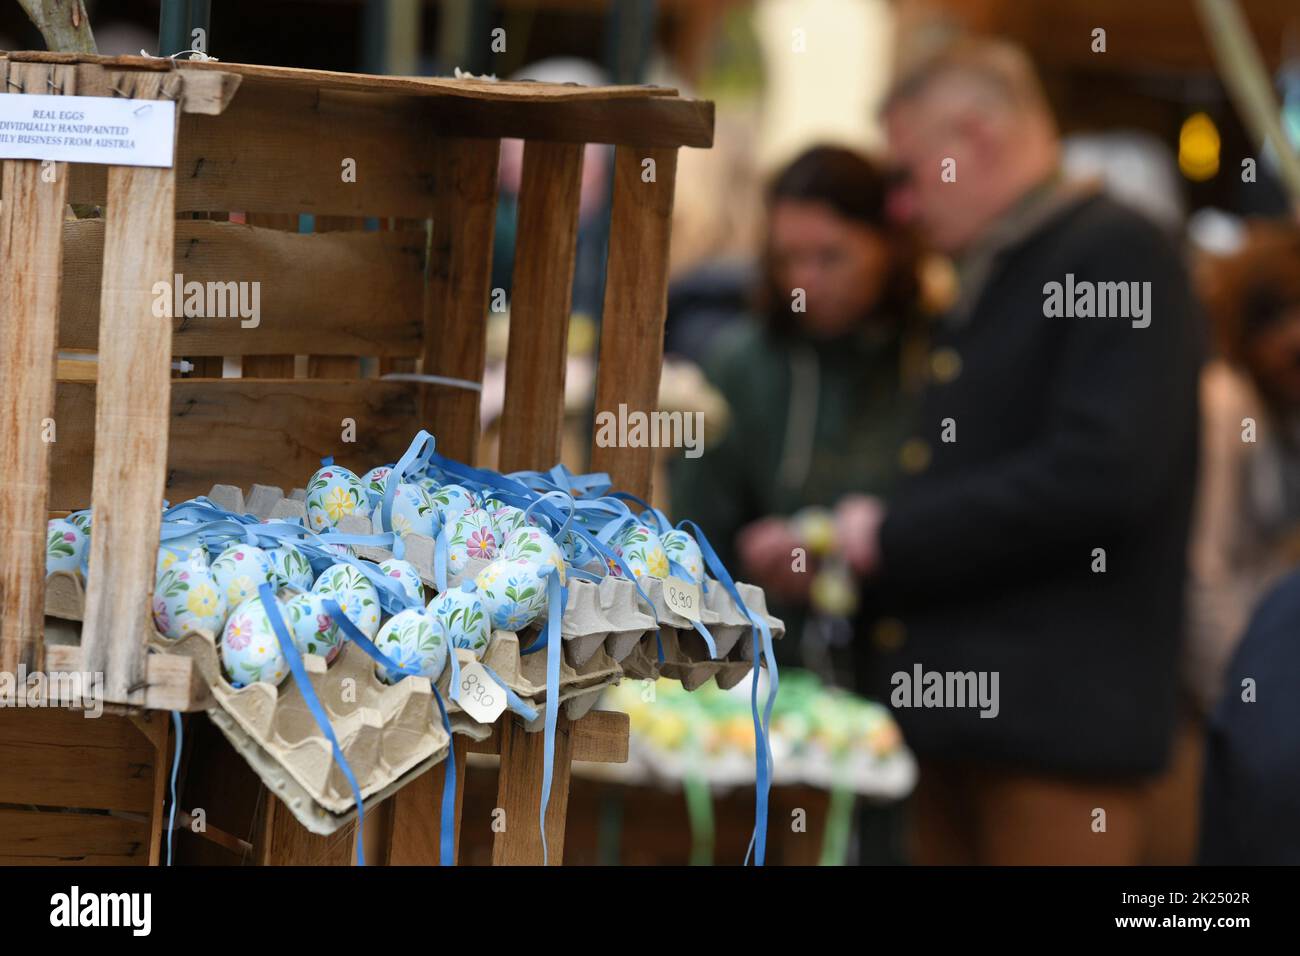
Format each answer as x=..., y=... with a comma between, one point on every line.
x=269, y=143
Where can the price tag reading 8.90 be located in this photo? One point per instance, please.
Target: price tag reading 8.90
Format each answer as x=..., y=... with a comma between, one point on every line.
x=479, y=695
x=683, y=597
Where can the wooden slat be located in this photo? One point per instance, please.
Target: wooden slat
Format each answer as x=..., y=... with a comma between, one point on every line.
x=459, y=286
x=636, y=302
x=286, y=842
x=349, y=365
x=173, y=682
x=54, y=757
x=280, y=150
x=155, y=726
x=31, y=239
x=47, y=838
x=519, y=791
x=541, y=292
x=270, y=366
x=599, y=737
x=130, y=420
x=342, y=293
x=246, y=432
x=416, y=831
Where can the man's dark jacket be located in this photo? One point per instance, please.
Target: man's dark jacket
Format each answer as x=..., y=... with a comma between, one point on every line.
x=1072, y=435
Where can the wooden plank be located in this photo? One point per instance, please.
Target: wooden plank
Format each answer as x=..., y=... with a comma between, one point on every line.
x=31, y=274
x=286, y=842
x=636, y=302
x=416, y=832
x=246, y=431
x=61, y=758
x=599, y=737
x=459, y=285
x=51, y=838
x=349, y=366
x=519, y=792
x=130, y=420
x=336, y=294
x=281, y=150
x=172, y=680
x=270, y=366
x=155, y=726
x=533, y=415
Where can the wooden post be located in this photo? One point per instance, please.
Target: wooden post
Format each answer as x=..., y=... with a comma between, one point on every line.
x=132, y=405
x=636, y=301
x=531, y=429
x=31, y=277
x=455, y=343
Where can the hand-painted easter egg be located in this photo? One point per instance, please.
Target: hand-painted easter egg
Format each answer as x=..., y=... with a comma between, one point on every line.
x=186, y=597
x=250, y=651
x=642, y=551
x=82, y=519
x=682, y=548
x=470, y=534
x=427, y=482
x=65, y=546
x=534, y=544
x=332, y=494
x=451, y=500
x=513, y=591
x=376, y=481
x=406, y=576
x=413, y=512
x=416, y=642
x=464, y=619
x=508, y=519
x=175, y=546
x=240, y=570
x=291, y=567
x=313, y=630
x=355, y=595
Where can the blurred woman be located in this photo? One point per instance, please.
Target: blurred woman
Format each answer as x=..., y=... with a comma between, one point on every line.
x=819, y=387
x=1248, y=516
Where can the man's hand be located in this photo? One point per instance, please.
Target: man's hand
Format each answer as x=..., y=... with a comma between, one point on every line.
x=857, y=532
x=766, y=550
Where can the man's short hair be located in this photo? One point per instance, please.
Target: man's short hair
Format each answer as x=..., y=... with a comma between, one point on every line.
x=1001, y=72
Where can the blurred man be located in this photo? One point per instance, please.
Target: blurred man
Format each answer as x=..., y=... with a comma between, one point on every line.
x=1029, y=574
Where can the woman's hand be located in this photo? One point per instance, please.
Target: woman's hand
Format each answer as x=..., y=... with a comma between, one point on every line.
x=857, y=532
x=767, y=550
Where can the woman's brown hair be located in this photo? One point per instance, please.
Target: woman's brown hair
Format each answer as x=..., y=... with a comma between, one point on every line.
x=856, y=189
x=1254, y=287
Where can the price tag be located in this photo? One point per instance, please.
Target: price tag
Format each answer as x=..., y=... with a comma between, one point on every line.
x=683, y=597
x=480, y=696
x=88, y=129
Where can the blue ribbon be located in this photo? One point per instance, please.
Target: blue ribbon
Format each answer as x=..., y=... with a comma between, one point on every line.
x=176, y=766
x=290, y=651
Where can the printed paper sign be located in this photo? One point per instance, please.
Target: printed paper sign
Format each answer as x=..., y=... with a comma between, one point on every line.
x=87, y=129
x=480, y=696
x=683, y=597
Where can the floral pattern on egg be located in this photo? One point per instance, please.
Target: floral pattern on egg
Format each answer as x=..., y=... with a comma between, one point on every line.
x=413, y=512
x=250, y=651
x=513, y=591
x=240, y=570
x=65, y=545
x=464, y=619
x=186, y=598
x=682, y=548
x=470, y=534
x=508, y=519
x=314, y=630
x=451, y=500
x=290, y=566
x=416, y=642
x=376, y=482
x=642, y=551
x=406, y=576
x=332, y=494
x=356, y=596
x=533, y=544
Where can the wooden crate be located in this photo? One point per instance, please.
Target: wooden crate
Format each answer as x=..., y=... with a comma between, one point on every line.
x=270, y=143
